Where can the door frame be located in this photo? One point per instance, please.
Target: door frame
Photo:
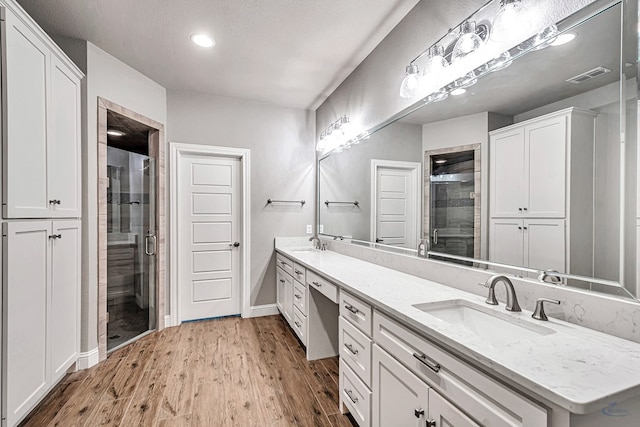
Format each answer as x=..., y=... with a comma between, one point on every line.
x=177, y=151
x=157, y=152
x=416, y=172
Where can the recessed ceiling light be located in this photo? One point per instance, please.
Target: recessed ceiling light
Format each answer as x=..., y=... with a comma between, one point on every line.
x=202, y=40
x=440, y=162
x=563, y=39
x=458, y=91
x=116, y=133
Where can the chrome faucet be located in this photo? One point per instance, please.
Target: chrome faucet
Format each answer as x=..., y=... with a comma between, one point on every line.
x=512, y=301
x=318, y=243
x=539, y=313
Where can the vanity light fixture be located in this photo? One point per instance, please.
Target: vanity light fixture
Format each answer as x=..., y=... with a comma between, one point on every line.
x=563, y=39
x=546, y=37
x=500, y=62
x=411, y=82
x=510, y=21
x=340, y=135
x=115, y=133
x=469, y=41
x=202, y=40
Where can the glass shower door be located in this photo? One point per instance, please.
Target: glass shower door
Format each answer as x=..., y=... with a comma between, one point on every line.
x=131, y=246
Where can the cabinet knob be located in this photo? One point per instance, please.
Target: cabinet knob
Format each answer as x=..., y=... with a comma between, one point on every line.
x=54, y=202
x=519, y=228
x=418, y=412
x=431, y=423
x=525, y=228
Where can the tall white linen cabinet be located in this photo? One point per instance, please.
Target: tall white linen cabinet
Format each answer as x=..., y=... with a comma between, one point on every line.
x=41, y=211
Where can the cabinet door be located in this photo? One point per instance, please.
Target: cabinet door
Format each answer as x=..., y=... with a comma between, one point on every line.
x=280, y=289
x=399, y=397
x=545, y=167
x=64, y=325
x=506, y=174
x=447, y=415
x=288, y=298
x=63, y=142
x=544, y=247
x=25, y=141
x=26, y=283
x=506, y=243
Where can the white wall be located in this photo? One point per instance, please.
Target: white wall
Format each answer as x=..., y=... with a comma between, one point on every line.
x=282, y=167
x=109, y=78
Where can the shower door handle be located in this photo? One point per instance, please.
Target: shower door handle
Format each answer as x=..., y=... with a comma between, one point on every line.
x=150, y=238
x=435, y=236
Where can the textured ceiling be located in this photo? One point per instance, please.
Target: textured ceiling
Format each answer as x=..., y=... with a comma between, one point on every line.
x=292, y=53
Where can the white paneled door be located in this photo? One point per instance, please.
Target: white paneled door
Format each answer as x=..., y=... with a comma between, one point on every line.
x=396, y=197
x=208, y=237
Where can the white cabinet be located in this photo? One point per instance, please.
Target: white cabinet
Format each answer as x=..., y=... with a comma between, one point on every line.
x=291, y=295
x=537, y=173
x=41, y=126
x=41, y=321
x=533, y=243
x=399, y=397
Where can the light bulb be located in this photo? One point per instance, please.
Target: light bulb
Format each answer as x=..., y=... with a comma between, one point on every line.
x=500, y=62
x=510, y=22
x=545, y=37
x=411, y=82
x=468, y=42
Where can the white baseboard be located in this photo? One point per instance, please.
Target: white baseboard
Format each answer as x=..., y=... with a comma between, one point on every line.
x=88, y=359
x=168, y=321
x=263, y=310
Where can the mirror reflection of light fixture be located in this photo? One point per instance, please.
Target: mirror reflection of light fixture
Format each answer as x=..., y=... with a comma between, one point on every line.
x=466, y=81
x=510, y=21
x=437, y=96
x=546, y=37
x=115, y=133
x=500, y=62
x=411, y=82
x=468, y=42
x=340, y=135
x=563, y=39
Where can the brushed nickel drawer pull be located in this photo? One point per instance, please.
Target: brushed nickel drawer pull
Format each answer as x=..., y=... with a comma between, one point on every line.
x=298, y=271
x=351, y=308
x=298, y=324
x=55, y=236
x=281, y=280
x=351, y=396
x=434, y=366
x=317, y=284
x=351, y=349
x=298, y=296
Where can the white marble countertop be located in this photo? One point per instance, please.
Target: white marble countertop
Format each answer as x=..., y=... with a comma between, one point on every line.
x=579, y=369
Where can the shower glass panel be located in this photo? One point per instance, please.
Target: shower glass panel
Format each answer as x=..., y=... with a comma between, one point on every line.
x=130, y=246
x=452, y=207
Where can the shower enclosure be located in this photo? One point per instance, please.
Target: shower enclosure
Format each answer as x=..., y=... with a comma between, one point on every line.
x=131, y=245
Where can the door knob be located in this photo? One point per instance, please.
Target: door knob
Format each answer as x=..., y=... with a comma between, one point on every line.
x=235, y=244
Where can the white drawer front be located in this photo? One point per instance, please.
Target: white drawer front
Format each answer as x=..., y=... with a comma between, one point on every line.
x=482, y=397
x=285, y=263
x=356, y=311
x=300, y=325
x=299, y=272
x=355, y=395
x=300, y=297
x=322, y=285
x=355, y=350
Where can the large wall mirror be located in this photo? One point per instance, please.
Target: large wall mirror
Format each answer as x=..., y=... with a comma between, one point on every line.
x=532, y=171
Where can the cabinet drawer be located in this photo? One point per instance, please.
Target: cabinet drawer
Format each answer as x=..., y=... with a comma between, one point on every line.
x=355, y=395
x=299, y=272
x=356, y=311
x=322, y=285
x=355, y=350
x=300, y=297
x=285, y=263
x=482, y=397
x=300, y=325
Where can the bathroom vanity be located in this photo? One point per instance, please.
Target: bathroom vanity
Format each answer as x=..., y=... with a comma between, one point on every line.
x=415, y=351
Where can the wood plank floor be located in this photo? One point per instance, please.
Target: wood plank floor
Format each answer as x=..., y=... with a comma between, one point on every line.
x=227, y=372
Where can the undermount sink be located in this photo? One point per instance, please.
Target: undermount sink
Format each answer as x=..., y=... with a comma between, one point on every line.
x=496, y=328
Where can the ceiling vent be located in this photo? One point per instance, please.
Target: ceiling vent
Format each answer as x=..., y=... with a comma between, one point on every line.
x=598, y=71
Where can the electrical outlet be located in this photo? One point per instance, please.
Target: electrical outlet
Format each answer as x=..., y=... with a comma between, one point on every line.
x=309, y=229
x=321, y=228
